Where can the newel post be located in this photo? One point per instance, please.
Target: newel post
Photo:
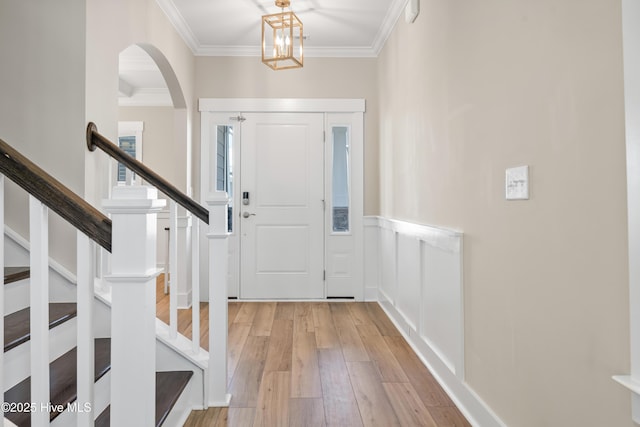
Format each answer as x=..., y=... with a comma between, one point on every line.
x=133, y=275
x=218, y=299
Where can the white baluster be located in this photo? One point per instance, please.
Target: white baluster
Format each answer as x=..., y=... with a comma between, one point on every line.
x=184, y=285
x=105, y=267
x=173, y=269
x=86, y=349
x=133, y=283
x=39, y=291
x=195, y=285
x=166, y=262
x=218, y=299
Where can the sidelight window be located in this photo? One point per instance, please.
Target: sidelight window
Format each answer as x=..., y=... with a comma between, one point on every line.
x=340, y=196
x=130, y=141
x=224, y=169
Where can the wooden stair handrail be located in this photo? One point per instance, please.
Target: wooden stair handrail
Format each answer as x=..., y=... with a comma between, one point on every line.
x=94, y=139
x=55, y=195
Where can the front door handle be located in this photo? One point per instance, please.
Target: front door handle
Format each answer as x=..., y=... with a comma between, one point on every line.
x=247, y=214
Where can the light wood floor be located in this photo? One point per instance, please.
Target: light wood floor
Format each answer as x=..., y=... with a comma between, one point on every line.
x=320, y=364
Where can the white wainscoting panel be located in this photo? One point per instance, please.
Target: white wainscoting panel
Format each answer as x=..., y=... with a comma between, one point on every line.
x=442, y=326
x=408, y=278
x=421, y=282
x=420, y=287
x=387, y=263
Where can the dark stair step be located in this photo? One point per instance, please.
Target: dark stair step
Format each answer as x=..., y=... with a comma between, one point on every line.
x=169, y=387
x=17, y=325
x=13, y=274
x=62, y=381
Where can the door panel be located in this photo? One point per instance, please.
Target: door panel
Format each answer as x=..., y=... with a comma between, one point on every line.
x=274, y=257
x=282, y=226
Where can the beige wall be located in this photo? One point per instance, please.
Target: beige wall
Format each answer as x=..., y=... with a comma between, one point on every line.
x=473, y=88
x=60, y=70
x=158, y=149
x=42, y=103
x=112, y=27
x=227, y=77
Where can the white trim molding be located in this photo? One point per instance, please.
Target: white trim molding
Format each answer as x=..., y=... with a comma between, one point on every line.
x=417, y=270
x=180, y=24
x=281, y=105
x=395, y=10
x=309, y=52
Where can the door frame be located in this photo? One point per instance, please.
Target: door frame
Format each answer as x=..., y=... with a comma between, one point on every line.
x=209, y=107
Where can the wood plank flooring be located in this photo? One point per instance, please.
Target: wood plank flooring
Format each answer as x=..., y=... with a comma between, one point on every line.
x=320, y=364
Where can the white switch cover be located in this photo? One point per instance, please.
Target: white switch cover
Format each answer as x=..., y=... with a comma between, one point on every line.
x=517, y=183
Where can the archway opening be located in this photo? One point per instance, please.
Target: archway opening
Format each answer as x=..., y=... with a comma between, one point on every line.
x=153, y=125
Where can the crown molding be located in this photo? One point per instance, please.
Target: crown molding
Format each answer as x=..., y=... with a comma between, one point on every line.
x=395, y=10
x=176, y=18
x=340, y=52
x=209, y=50
x=309, y=52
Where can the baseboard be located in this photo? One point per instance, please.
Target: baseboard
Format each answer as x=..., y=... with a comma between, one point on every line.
x=371, y=294
x=477, y=412
x=184, y=300
x=221, y=403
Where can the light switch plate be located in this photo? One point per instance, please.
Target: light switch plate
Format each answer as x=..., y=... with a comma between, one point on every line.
x=517, y=183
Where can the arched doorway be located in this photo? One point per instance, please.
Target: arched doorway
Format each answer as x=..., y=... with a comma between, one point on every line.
x=153, y=126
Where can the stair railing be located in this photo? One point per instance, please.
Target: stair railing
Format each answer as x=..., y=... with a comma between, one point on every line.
x=216, y=219
x=46, y=193
x=176, y=197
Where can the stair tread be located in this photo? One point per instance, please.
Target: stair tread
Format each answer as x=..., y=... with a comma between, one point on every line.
x=17, y=325
x=169, y=387
x=13, y=274
x=62, y=381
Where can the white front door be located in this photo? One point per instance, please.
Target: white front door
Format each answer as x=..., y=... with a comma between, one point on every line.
x=282, y=207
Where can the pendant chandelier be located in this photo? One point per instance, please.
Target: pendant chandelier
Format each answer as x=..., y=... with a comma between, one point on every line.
x=282, y=39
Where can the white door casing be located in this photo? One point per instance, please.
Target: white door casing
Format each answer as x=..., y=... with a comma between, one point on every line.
x=341, y=252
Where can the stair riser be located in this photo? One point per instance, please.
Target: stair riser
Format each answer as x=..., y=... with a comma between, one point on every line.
x=183, y=407
x=168, y=359
x=101, y=401
x=17, y=365
x=16, y=296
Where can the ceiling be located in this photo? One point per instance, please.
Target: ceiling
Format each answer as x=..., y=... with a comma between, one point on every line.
x=332, y=28
x=343, y=28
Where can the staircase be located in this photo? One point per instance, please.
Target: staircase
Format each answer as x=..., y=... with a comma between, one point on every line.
x=62, y=369
x=85, y=348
